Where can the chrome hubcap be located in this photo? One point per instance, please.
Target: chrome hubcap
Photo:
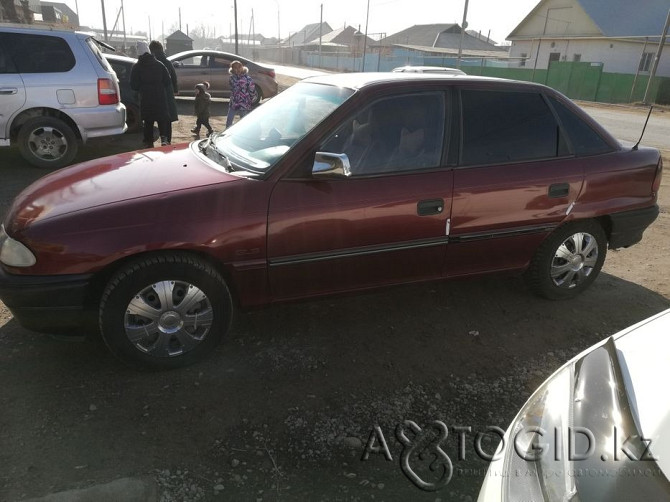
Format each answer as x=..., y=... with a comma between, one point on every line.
x=168, y=318
x=48, y=143
x=574, y=260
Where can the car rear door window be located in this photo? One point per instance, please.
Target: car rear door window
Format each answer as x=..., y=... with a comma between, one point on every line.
x=6, y=63
x=39, y=53
x=585, y=141
x=507, y=126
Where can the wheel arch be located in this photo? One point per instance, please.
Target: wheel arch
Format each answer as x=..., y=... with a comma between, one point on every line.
x=31, y=113
x=101, y=278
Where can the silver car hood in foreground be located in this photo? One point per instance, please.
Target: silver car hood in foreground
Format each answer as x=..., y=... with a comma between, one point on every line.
x=618, y=397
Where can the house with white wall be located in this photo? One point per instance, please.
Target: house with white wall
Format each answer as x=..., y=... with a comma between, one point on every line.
x=622, y=35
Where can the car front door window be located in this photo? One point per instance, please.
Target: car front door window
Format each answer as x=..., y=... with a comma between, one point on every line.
x=397, y=134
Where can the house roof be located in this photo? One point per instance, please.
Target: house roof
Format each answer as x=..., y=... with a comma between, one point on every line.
x=179, y=36
x=424, y=34
x=345, y=36
x=308, y=33
x=437, y=35
x=451, y=51
x=481, y=36
x=626, y=18
x=618, y=18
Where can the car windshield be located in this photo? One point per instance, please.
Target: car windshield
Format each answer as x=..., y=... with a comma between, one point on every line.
x=263, y=137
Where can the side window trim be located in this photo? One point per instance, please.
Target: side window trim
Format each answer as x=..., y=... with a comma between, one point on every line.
x=563, y=129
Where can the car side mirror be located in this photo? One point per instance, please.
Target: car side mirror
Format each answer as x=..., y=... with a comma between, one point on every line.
x=331, y=164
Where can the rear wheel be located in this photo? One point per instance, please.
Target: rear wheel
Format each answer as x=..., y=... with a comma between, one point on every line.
x=47, y=142
x=165, y=311
x=133, y=119
x=258, y=95
x=568, y=261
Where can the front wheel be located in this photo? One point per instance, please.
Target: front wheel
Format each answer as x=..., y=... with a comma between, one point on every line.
x=47, y=142
x=568, y=261
x=165, y=311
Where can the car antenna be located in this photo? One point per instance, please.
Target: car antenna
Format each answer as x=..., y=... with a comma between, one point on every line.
x=645, y=127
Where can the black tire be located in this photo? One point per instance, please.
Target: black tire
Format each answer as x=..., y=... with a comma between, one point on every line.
x=47, y=142
x=158, y=299
x=568, y=261
x=258, y=95
x=133, y=119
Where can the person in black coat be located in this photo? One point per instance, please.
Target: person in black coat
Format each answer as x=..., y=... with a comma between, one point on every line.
x=151, y=79
x=172, y=90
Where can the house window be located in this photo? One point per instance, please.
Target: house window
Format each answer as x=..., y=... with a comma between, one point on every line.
x=524, y=56
x=576, y=58
x=645, y=61
x=554, y=56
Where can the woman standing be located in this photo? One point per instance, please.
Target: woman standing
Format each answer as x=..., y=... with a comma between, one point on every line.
x=242, y=90
x=172, y=90
x=150, y=78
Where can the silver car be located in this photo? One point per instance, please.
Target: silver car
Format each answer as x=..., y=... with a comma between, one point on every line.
x=56, y=90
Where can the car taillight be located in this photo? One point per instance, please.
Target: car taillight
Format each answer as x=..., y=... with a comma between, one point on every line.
x=108, y=92
x=270, y=73
x=659, y=174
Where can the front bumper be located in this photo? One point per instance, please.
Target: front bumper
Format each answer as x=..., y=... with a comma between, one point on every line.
x=49, y=304
x=627, y=227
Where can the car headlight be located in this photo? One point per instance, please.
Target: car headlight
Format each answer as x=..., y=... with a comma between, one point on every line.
x=13, y=253
x=536, y=462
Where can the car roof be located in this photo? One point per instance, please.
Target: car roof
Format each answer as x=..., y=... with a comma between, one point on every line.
x=360, y=80
x=207, y=52
x=444, y=69
x=229, y=55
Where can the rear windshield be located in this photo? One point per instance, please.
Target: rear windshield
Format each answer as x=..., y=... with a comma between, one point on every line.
x=96, y=50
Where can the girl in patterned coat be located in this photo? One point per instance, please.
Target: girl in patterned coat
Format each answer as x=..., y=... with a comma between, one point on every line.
x=242, y=91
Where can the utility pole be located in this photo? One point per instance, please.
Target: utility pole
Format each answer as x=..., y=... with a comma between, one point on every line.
x=104, y=20
x=320, y=28
x=237, y=50
x=123, y=18
x=464, y=25
x=365, y=39
x=657, y=59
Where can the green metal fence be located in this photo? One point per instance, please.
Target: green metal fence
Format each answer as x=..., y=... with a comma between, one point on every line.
x=586, y=81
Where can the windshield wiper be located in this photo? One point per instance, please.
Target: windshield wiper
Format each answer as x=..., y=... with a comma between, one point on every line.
x=208, y=146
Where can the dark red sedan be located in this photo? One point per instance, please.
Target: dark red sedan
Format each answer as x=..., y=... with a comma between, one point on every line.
x=341, y=183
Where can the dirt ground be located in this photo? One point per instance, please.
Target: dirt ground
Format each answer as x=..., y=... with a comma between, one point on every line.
x=285, y=407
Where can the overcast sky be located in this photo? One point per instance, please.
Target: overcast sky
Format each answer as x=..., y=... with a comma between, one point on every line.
x=273, y=17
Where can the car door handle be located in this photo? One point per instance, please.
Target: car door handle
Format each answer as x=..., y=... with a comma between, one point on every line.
x=6, y=91
x=430, y=206
x=558, y=190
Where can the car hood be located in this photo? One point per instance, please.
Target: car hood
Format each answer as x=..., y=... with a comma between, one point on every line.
x=643, y=354
x=618, y=418
x=113, y=179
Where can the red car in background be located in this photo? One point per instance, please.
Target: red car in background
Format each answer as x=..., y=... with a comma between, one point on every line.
x=341, y=183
